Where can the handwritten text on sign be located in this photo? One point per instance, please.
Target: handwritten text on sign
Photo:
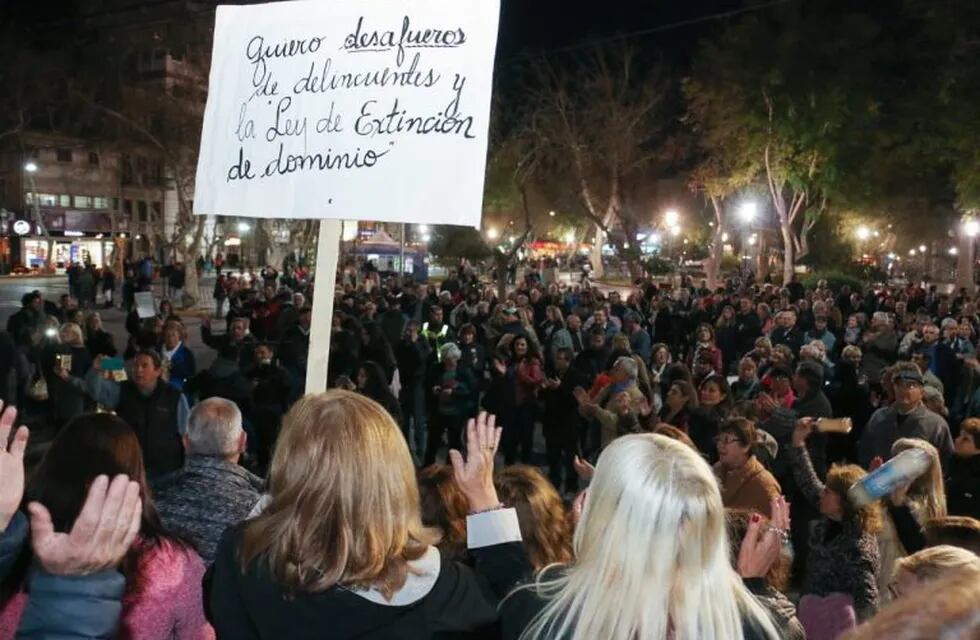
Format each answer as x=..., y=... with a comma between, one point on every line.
x=376, y=109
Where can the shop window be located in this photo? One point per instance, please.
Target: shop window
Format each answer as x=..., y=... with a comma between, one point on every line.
x=64, y=155
x=64, y=200
x=48, y=199
x=100, y=203
x=83, y=202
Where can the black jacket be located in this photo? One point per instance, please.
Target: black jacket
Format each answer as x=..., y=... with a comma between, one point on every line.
x=963, y=487
x=251, y=606
x=154, y=419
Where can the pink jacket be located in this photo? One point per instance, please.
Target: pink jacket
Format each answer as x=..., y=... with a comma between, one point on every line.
x=170, y=604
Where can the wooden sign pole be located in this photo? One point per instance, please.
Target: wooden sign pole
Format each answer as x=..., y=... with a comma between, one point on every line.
x=327, y=251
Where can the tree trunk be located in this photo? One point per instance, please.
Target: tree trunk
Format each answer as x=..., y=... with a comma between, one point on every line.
x=713, y=263
x=192, y=289
x=597, y=269
x=789, y=262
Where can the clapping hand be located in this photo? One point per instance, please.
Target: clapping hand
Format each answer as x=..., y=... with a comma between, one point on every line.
x=11, y=465
x=763, y=543
x=475, y=475
x=101, y=535
x=583, y=468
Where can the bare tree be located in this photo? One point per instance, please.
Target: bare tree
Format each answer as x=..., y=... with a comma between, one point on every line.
x=596, y=117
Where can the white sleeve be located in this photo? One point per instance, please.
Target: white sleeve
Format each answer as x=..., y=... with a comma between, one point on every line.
x=492, y=527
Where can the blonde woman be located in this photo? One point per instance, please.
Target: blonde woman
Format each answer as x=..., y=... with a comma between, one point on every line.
x=64, y=365
x=340, y=549
x=933, y=563
x=909, y=509
x=651, y=557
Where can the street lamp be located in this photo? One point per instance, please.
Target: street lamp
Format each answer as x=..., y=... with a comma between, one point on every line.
x=675, y=230
x=492, y=233
x=972, y=227
x=953, y=251
x=747, y=211
x=243, y=227
x=423, y=228
x=30, y=167
x=551, y=213
x=863, y=233
x=671, y=218
x=570, y=237
x=922, y=248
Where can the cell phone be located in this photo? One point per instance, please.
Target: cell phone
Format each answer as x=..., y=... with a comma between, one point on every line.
x=113, y=364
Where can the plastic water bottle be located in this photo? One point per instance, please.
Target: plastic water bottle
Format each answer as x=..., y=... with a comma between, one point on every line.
x=900, y=470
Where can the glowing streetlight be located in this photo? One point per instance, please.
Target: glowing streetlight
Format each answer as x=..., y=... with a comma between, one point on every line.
x=423, y=228
x=675, y=231
x=671, y=217
x=30, y=167
x=753, y=239
x=426, y=237
x=972, y=227
x=953, y=251
x=747, y=211
x=511, y=239
x=570, y=237
x=243, y=227
x=922, y=248
x=551, y=213
x=911, y=252
x=492, y=233
x=724, y=237
x=863, y=233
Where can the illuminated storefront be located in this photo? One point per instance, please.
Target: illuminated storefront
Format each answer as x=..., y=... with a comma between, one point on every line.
x=66, y=251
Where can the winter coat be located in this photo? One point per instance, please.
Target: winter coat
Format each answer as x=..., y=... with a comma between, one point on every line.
x=748, y=487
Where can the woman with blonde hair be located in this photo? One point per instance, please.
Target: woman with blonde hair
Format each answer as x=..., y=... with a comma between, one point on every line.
x=909, y=509
x=932, y=563
x=541, y=513
x=340, y=547
x=651, y=557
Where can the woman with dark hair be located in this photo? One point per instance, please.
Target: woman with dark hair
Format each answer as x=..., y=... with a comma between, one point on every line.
x=744, y=481
x=372, y=382
x=705, y=350
x=473, y=355
x=679, y=403
x=726, y=337
x=714, y=404
x=525, y=371
x=163, y=573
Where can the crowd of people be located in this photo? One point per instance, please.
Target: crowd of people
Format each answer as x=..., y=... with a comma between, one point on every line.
x=665, y=470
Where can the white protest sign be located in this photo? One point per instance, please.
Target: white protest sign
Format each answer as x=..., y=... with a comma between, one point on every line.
x=367, y=110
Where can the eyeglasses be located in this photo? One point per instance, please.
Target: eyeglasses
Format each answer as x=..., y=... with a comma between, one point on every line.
x=721, y=440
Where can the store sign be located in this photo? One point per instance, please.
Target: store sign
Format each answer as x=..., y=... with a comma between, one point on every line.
x=22, y=227
x=74, y=234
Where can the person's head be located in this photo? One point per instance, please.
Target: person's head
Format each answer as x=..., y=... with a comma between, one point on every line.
x=949, y=328
x=166, y=308
x=435, y=314
x=214, y=429
x=928, y=565
x=545, y=528
x=748, y=370
x=299, y=300
x=563, y=358
x=32, y=301
x=372, y=379
x=705, y=333
x=930, y=333
x=449, y=354
x=820, y=324
x=597, y=339
x=599, y=317
x=714, y=392
x=71, y=334
x=650, y=543
x=660, y=354
x=958, y=531
x=680, y=394
x=444, y=508
x=621, y=342
x=344, y=503
x=835, y=505
x=264, y=353
x=965, y=330
x=90, y=445
x=907, y=385
x=880, y=320
x=967, y=443
x=173, y=333
x=734, y=441
x=738, y=521
x=928, y=490
x=675, y=434
x=625, y=370
x=574, y=322
x=93, y=322
x=852, y=354
x=520, y=348
x=763, y=346
x=239, y=328
x=305, y=315
x=808, y=378
x=780, y=377
x=146, y=369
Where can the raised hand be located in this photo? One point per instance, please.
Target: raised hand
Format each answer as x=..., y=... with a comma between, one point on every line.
x=11, y=465
x=759, y=549
x=101, y=535
x=475, y=475
x=804, y=427
x=583, y=468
